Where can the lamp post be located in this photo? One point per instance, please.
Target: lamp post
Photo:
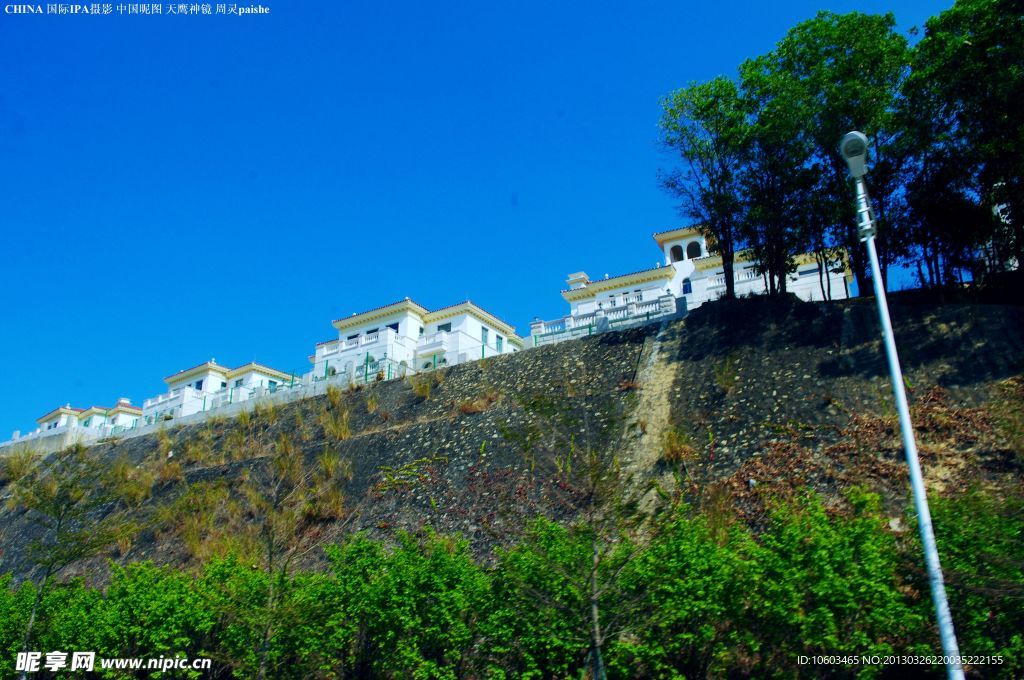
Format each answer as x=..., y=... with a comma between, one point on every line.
x=853, y=147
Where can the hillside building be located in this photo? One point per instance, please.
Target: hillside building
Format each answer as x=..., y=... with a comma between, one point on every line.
x=687, y=277
x=405, y=337
x=209, y=385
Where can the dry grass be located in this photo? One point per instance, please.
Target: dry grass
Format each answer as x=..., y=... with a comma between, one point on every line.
x=677, y=448
x=17, y=465
x=335, y=422
x=627, y=385
x=725, y=373
x=163, y=443
x=132, y=484
x=423, y=384
x=479, y=404
x=371, y=403
x=170, y=471
x=198, y=452
x=1008, y=413
x=335, y=396
x=266, y=413
x=201, y=518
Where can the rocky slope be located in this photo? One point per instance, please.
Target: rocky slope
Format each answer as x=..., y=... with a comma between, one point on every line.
x=743, y=401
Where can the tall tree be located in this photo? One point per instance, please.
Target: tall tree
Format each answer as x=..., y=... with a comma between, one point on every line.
x=830, y=75
x=707, y=126
x=71, y=498
x=967, y=97
x=570, y=574
x=778, y=178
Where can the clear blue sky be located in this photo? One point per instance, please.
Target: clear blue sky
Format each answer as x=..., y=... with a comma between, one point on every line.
x=179, y=188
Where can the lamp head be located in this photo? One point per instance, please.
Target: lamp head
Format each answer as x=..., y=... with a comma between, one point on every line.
x=854, y=149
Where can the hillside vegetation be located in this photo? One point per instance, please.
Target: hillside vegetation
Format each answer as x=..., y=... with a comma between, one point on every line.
x=712, y=496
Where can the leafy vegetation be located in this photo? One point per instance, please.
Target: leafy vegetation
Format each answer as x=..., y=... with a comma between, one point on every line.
x=701, y=597
x=760, y=174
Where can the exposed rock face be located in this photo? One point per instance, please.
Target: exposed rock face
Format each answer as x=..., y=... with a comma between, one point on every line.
x=770, y=395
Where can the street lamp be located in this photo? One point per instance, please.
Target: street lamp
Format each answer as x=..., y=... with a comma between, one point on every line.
x=854, y=148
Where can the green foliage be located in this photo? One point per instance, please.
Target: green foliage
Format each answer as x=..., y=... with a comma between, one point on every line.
x=964, y=108
x=693, y=584
x=413, y=609
x=15, y=606
x=708, y=126
x=543, y=588
x=699, y=597
x=827, y=584
x=981, y=544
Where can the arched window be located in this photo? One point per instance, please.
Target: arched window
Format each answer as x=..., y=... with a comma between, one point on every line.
x=687, y=287
x=693, y=250
x=676, y=253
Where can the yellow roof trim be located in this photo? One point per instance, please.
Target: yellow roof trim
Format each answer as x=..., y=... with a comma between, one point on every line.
x=205, y=367
x=380, y=313
x=254, y=367
x=473, y=310
x=603, y=285
x=663, y=237
x=58, y=411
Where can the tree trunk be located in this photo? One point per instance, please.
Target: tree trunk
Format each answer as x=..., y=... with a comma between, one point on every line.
x=730, y=277
x=821, y=259
x=595, y=622
x=32, y=615
x=265, y=644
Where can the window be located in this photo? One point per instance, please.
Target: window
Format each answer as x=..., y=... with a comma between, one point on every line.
x=498, y=342
x=421, y=330
x=199, y=384
x=687, y=287
x=393, y=326
x=676, y=253
x=223, y=384
x=693, y=250
x=352, y=337
x=86, y=422
x=238, y=383
x=272, y=384
x=445, y=327
x=483, y=335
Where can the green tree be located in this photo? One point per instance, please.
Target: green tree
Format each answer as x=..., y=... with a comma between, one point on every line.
x=966, y=107
x=694, y=585
x=707, y=126
x=410, y=611
x=282, y=495
x=71, y=501
x=827, y=76
x=571, y=443
x=828, y=584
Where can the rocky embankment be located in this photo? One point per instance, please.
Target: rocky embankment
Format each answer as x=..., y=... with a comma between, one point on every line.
x=739, y=403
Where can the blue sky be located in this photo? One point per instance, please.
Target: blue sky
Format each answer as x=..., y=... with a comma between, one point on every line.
x=179, y=188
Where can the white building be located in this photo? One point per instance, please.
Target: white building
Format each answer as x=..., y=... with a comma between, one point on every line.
x=404, y=337
x=210, y=385
x=687, y=278
x=67, y=424
x=122, y=416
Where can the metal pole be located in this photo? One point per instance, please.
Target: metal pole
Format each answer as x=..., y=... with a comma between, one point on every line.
x=866, y=227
